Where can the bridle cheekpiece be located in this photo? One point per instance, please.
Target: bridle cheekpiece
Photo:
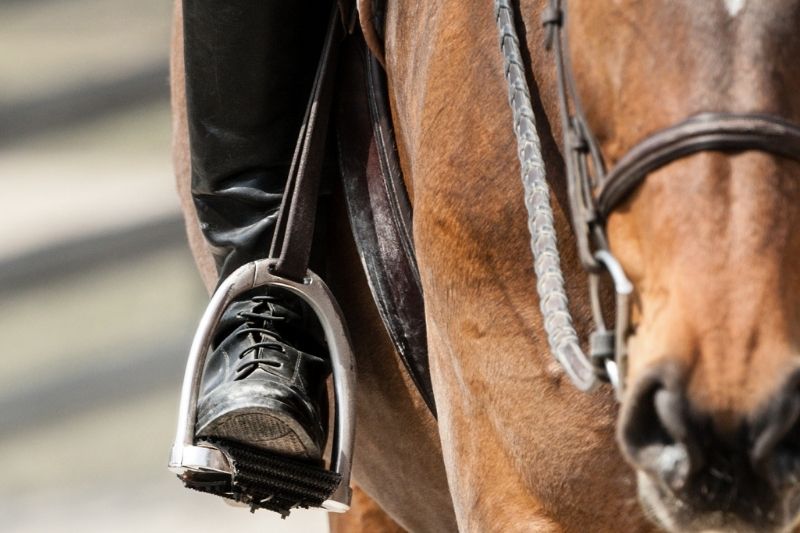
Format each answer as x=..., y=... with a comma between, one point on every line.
x=595, y=192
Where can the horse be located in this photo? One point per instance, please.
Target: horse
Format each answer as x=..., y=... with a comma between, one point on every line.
x=705, y=435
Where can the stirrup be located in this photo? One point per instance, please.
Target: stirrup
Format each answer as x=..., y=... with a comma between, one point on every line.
x=250, y=475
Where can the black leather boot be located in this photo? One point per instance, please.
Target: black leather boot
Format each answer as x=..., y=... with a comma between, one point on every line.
x=250, y=66
x=249, y=69
x=259, y=387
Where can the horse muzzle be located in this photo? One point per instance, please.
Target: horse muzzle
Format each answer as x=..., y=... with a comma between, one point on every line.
x=695, y=477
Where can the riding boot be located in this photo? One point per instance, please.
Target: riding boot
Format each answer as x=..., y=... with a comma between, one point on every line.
x=250, y=65
x=249, y=69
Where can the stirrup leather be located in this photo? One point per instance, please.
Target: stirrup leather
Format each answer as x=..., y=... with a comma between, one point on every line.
x=328, y=488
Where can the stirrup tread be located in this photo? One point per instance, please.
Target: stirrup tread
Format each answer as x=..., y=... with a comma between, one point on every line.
x=265, y=480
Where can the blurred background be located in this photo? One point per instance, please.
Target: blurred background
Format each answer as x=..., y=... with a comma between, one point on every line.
x=99, y=296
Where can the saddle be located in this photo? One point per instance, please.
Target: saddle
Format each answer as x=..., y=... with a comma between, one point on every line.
x=378, y=205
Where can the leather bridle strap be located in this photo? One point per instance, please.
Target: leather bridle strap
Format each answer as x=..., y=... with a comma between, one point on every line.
x=294, y=230
x=594, y=193
x=707, y=131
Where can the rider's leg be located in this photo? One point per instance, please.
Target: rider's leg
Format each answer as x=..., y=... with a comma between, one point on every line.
x=249, y=67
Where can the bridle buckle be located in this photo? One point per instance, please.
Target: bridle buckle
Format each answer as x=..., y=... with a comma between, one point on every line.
x=608, y=347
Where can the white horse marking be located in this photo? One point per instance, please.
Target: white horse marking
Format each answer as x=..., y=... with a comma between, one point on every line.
x=734, y=6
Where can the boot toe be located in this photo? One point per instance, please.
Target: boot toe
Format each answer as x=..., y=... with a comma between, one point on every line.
x=264, y=413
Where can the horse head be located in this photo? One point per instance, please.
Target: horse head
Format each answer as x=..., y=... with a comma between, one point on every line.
x=711, y=414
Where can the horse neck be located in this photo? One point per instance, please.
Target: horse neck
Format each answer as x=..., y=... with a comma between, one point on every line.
x=413, y=34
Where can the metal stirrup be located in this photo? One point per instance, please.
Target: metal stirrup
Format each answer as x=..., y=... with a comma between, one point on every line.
x=190, y=456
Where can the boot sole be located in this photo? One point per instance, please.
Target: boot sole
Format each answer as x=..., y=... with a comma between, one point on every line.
x=267, y=429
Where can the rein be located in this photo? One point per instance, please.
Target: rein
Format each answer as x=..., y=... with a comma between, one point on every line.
x=594, y=193
x=561, y=334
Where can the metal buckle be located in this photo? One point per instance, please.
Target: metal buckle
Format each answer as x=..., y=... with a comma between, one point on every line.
x=615, y=366
x=188, y=456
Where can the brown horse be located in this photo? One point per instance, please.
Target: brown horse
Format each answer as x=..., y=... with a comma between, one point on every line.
x=707, y=241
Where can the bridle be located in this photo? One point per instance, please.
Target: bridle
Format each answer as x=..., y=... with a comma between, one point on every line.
x=595, y=192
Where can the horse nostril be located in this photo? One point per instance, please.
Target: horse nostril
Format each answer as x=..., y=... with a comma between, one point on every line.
x=777, y=441
x=655, y=433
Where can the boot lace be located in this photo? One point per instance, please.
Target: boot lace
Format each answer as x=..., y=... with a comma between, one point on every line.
x=258, y=324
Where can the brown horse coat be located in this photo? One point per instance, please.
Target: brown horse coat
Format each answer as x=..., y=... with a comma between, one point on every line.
x=524, y=450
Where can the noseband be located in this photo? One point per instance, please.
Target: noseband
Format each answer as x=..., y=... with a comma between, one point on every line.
x=594, y=193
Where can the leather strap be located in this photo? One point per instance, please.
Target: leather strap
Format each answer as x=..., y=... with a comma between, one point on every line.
x=594, y=193
x=379, y=209
x=707, y=131
x=294, y=231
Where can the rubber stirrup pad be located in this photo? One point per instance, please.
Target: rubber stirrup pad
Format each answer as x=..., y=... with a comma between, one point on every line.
x=264, y=480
